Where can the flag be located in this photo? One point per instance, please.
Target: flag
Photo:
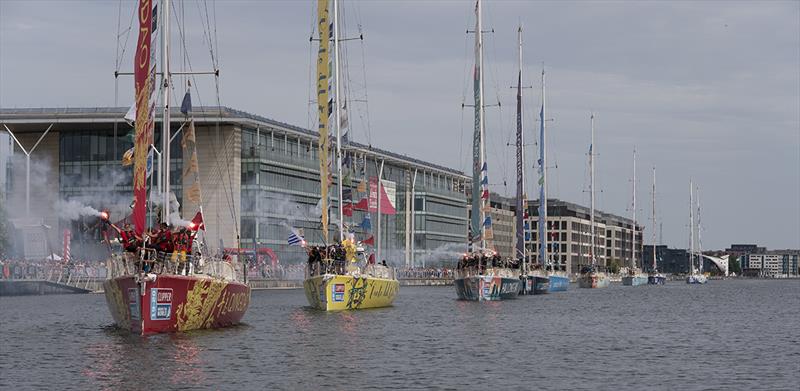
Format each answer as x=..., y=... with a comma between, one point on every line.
x=191, y=166
x=127, y=157
x=130, y=116
x=150, y=162
x=370, y=240
x=186, y=104
x=347, y=209
x=362, y=187
x=347, y=194
x=366, y=223
x=295, y=238
x=197, y=222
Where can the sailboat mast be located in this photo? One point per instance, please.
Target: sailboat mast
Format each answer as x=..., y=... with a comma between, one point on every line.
x=699, y=241
x=633, y=228
x=338, y=117
x=654, y=219
x=520, y=204
x=543, y=181
x=483, y=201
x=691, y=228
x=165, y=123
x=591, y=192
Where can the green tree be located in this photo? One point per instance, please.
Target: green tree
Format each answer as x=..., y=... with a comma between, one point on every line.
x=734, y=266
x=613, y=266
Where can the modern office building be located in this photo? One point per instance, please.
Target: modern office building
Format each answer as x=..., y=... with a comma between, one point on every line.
x=504, y=230
x=774, y=263
x=259, y=179
x=569, y=225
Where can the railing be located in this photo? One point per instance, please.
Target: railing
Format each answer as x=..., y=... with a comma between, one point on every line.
x=329, y=266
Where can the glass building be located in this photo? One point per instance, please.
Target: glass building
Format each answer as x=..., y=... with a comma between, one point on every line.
x=259, y=180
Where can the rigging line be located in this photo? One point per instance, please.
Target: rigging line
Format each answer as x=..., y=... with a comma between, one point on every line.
x=312, y=104
x=464, y=83
x=127, y=35
x=368, y=130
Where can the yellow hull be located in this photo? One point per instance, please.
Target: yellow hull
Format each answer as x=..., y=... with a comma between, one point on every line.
x=332, y=292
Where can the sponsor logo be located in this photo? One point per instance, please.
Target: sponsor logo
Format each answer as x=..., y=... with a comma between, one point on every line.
x=338, y=292
x=160, y=304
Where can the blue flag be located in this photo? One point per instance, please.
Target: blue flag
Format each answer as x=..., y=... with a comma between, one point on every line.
x=366, y=223
x=186, y=105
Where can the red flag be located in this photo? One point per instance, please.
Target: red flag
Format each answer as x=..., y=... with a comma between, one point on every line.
x=141, y=68
x=370, y=241
x=347, y=209
x=197, y=222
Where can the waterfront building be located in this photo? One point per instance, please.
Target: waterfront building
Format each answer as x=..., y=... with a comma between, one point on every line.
x=568, y=225
x=259, y=178
x=504, y=230
x=774, y=263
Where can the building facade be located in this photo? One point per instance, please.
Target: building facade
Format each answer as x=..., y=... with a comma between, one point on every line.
x=776, y=263
x=259, y=180
x=568, y=225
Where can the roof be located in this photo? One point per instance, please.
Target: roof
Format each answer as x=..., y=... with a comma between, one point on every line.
x=79, y=115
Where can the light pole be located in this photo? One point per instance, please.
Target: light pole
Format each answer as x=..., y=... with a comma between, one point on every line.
x=28, y=165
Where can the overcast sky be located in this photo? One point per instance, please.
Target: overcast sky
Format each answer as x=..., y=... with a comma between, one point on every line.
x=704, y=90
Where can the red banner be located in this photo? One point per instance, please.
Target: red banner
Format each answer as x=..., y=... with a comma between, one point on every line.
x=388, y=194
x=65, y=251
x=141, y=70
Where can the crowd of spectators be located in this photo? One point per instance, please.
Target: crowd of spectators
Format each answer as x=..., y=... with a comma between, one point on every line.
x=425, y=272
x=20, y=269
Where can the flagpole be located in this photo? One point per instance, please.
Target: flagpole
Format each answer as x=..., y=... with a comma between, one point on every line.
x=378, y=230
x=338, y=116
x=165, y=123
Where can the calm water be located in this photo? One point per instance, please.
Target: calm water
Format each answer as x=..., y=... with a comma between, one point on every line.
x=724, y=335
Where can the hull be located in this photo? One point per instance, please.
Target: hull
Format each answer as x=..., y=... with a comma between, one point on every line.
x=173, y=303
x=593, y=280
x=541, y=285
x=634, y=280
x=481, y=287
x=333, y=292
x=656, y=280
x=558, y=283
x=696, y=279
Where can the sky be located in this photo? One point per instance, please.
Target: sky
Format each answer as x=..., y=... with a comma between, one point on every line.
x=704, y=91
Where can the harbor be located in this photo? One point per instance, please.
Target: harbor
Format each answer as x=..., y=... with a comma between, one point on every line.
x=418, y=343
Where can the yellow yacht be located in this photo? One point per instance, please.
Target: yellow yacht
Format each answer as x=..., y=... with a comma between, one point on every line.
x=335, y=280
x=372, y=286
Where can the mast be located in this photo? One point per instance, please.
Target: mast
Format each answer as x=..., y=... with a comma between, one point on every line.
x=480, y=184
x=699, y=241
x=165, y=123
x=691, y=230
x=633, y=228
x=323, y=83
x=338, y=117
x=520, y=204
x=479, y=108
x=591, y=191
x=543, y=235
x=654, y=220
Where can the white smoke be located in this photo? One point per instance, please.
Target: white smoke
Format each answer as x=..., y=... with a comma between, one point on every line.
x=175, y=218
x=73, y=210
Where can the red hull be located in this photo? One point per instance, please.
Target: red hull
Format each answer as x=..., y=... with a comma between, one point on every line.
x=176, y=303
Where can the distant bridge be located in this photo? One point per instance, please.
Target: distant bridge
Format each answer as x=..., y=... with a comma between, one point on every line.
x=721, y=263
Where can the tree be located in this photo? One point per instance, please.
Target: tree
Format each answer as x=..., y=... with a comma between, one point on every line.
x=613, y=266
x=734, y=266
x=5, y=232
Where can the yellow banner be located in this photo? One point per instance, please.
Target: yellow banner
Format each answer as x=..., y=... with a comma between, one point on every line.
x=323, y=75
